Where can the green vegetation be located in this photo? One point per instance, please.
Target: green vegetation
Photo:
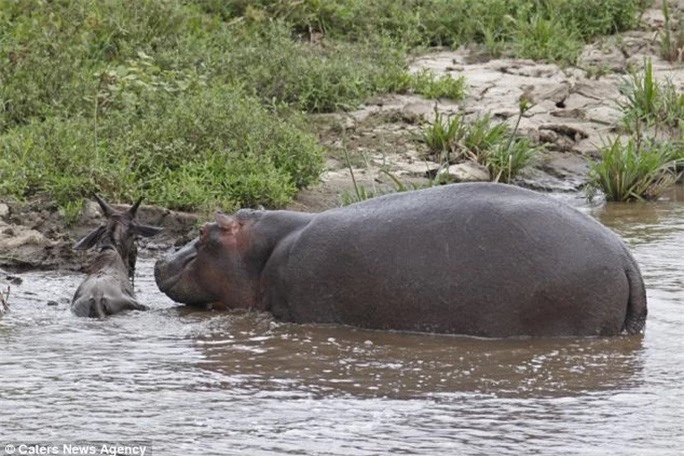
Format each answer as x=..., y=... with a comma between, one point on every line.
x=635, y=171
x=427, y=84
x=546, y=26
x=672, y=36
x=650, y=104
x=650, y=160
x=501, y=150
x=213, y=148
x=202, y=104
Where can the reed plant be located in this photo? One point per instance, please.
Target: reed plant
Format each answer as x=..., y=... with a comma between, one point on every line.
x=494, y=145
x=635, y=170
x=672, y=35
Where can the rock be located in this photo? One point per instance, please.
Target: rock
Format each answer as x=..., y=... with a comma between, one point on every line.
x=4, y=306
x=468, y=172
x=420, y=109
x=52, y=303
x=346, y=123
x=4, y=210
x=556, y=93
x=572, y=132
x=606, y=115
x=417, y=169
x=14, y=280
x=601, y=58
x=537, y=179
x=91, y=213
x=571, y=168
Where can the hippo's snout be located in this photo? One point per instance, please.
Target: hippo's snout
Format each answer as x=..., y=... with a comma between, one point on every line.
x=174, y=275
x=168, y=271
x=161, y=274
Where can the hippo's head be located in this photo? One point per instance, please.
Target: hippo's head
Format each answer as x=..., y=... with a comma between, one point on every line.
x=213, y=269
x=119, y=231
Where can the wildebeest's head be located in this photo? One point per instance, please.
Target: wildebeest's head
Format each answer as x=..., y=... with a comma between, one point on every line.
x=119, y=232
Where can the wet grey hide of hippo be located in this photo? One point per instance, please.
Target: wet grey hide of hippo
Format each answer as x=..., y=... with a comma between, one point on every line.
x=108, y=289
x=479, y=259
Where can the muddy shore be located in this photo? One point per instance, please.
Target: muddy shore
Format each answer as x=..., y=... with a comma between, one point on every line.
x=576, y=111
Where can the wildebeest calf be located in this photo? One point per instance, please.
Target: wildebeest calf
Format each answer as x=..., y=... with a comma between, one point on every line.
x=108, y=289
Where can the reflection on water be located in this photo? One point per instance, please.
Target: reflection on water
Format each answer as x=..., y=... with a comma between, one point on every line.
x=212, y=383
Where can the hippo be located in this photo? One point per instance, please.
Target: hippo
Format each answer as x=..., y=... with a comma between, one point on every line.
x=476, y=259
x=108, y=288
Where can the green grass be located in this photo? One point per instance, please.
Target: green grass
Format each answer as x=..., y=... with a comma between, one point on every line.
x=672, y=35
x=546, y=38
x=551, y=30
x=650, y=104
x=653, y=156
x=494, y=145
x=432, y=87
x=444, y=136
x=217, y=148
x=635, y=170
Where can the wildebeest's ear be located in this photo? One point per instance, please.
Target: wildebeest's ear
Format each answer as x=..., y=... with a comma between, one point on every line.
x=106, y=208
x=134, y=208
x=145, y=230
x=90, y=240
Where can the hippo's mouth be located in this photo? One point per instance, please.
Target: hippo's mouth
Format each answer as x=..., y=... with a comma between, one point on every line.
x=168, y=271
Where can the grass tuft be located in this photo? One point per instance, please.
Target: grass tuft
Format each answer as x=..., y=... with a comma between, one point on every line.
x=650, y=104
x=672, y=36
x=432, y=87
x=494, y=146
x=635, y=171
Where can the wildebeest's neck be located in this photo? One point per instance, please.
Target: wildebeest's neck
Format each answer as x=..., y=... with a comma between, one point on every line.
x=108, y=259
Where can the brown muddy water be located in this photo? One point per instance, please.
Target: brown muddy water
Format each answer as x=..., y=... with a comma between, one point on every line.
x=199, y=383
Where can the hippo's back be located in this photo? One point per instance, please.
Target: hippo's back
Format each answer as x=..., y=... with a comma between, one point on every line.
x=480, y=259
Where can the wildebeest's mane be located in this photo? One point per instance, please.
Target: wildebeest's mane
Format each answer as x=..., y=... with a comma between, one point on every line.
x=108, y=256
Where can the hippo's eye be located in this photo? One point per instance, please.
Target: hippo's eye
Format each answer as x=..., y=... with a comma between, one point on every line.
x=204, y=233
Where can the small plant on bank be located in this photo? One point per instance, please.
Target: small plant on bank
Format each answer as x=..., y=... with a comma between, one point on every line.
x=541, y=38
x=650, y=104
x=637, y=170
x=494, y=146
x=444, y=136
x=504, y=163
x=653, y=156
x=427, y=84
x=672, y=38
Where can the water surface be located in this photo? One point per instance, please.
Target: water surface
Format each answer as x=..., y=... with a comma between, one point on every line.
x=202, y=383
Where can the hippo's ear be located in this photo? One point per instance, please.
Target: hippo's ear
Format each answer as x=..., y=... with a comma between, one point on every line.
x=145, y=230
x=91, y=239
x=227, y=223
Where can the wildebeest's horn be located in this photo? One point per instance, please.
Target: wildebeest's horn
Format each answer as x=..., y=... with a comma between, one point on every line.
x=134, y=208
x=106, y=208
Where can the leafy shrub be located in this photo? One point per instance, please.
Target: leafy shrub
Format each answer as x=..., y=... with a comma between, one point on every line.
x=217, y=148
